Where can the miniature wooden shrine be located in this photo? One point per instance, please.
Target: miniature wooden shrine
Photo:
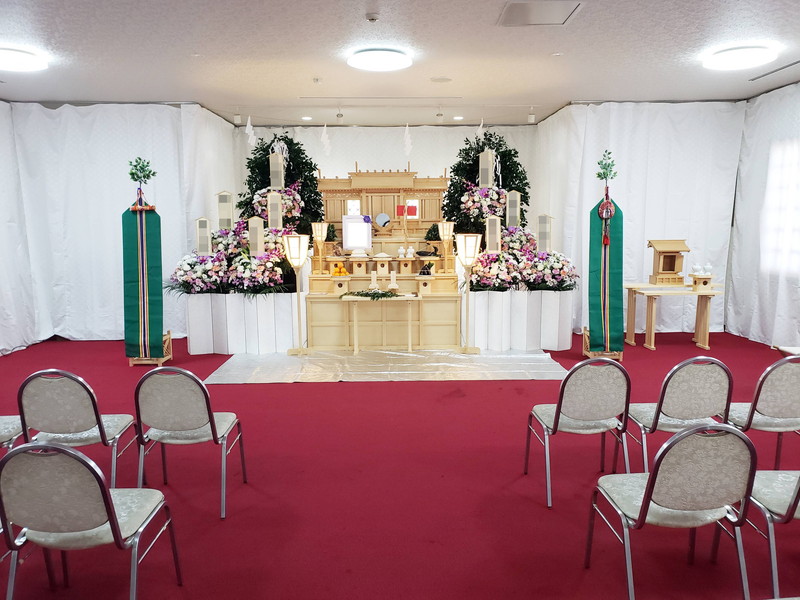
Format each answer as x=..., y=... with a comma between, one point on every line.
x=402, y=207
x=667, y=261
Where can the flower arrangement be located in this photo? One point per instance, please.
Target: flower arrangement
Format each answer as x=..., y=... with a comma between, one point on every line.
x=548, y=271
x=480, y=203
x=520, y=266
x=291, y=202
x=233, y=266
x=494, y=272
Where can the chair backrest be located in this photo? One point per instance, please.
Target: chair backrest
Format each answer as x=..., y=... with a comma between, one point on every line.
x=54, y=489
x=57, y=401
x=702, y=468
x=594, y=389
x=696, y=388
x=173, y=399
x=778, y=390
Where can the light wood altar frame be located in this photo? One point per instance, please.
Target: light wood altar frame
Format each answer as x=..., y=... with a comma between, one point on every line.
x=427, y=314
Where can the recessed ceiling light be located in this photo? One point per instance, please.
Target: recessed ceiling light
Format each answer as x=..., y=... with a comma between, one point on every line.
x=740, y=57
x=379, y=59
x=306, y=118
x=441, y=79
x=13, y=59
x=458, y=118
x=557, y=54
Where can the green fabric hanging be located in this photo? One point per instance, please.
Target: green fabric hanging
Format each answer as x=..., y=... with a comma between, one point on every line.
x=606, y=332
x=141, y=271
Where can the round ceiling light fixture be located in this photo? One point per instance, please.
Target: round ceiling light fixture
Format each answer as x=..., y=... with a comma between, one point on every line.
x=740, y=57
x=379, y=59
x=14, y=59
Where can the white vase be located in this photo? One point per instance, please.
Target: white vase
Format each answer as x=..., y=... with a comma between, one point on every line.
x=526, y=329
x=199, y=329
x=479, y=320
x=498, y=336
x=556, y=324
x=227, y=315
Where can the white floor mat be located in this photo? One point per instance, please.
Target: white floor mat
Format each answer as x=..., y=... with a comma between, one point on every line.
x=374, y=365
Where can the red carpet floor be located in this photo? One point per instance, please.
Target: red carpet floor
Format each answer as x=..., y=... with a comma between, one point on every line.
x=397, y=491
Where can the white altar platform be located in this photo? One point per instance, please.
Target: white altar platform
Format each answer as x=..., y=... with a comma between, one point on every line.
x=385, y=365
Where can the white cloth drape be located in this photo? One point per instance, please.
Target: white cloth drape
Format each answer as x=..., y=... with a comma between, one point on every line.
x=677, y=173
x=74, y=185
x=17, y=301
x=764, y=299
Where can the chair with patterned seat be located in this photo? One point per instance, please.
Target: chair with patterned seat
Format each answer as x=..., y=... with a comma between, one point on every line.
x=702, y=475
x=693, y=393
x=10, y=431
x=593, y=399
x=777, y=495
x=56, y=498
x=776, y=403
x=62, y=408
x=174, y=407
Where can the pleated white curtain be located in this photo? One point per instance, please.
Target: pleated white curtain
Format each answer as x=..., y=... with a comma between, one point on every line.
x=17, y=301
x=764, y=299
x=73, y=185
x=677, y=174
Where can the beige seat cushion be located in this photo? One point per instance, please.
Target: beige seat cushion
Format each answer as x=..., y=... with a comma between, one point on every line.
x=224, y=422
x=644, y=414
x=10, y=427
x=774, y=489
x=740, y=410
x=132, y=506
x=546, y=413
x=113, y=424
x=626, y=491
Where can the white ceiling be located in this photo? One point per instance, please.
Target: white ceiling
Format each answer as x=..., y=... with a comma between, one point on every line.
x=278, y=61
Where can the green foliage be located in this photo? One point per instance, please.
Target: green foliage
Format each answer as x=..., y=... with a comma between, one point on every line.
x=432, y=235
x=371, y=294
x=140, y=171
x=330, y=236
x=606, y=165
x=465, y=170
x=299, y=168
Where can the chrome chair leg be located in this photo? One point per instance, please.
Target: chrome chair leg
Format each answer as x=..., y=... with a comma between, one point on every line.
x=546, y=439
x=12, y=575
x=48, y=565
x=164, y=462
x=625, y=455
x=174, y=543
x=241, y=451
x=140, y=475
x=114, y=462
x=224, y=446
x=692, y=542
x=134, y=568
x=587, y=559
x=528, y=444
x=778, y=447
x=773, y=557
x=603, y=452
x=742, y=566
x=626, y=542
x=644, y=451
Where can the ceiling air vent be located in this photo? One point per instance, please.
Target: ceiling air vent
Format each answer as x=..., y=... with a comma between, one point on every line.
x=520, y=13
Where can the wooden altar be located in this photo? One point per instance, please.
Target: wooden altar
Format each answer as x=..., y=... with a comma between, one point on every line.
x=426, y=314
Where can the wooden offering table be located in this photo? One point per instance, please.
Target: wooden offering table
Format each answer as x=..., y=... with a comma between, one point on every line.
x=359, y=299
x=652, y=293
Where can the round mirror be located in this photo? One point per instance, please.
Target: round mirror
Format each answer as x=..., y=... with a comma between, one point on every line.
x=382, y=219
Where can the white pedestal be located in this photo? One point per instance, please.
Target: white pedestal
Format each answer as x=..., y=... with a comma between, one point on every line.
x=557, y=320
x=526, y=330
x=227, y=314
x=199, y=330
x=259, y=324
x=285, y=322
x=479, y=315
x=498, y=335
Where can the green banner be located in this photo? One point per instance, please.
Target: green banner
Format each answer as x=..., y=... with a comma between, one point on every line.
x=606, y=330
x=141, y=271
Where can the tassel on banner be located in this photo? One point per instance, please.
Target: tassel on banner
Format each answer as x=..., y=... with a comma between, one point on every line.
x=407, y=141
x=251, y=133
x=479, y=130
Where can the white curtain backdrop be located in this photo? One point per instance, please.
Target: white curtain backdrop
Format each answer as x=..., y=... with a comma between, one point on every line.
x=74, y=185
x=764, y=299
x=17, y=301
x=677, y=173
